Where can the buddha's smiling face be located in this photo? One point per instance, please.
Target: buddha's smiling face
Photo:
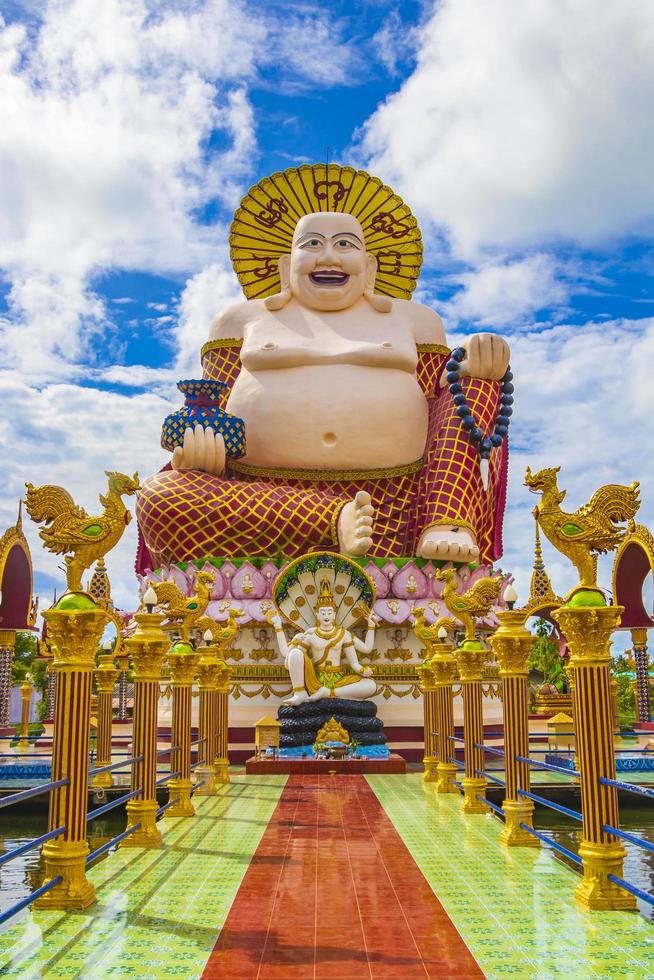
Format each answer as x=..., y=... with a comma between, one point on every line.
x=329, y=268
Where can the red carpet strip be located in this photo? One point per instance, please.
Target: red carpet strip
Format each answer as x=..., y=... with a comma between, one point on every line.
x=332, y=892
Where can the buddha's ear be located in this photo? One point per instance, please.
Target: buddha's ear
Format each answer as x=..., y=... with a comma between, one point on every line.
x=279, y=300
x=381, y=304
x=284, y=267
x=371, y=271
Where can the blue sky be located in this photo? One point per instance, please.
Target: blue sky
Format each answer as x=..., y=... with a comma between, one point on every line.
x=522, y=141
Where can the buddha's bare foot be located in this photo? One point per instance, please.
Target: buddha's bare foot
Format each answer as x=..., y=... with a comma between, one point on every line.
x=448, y=543
x=355, y=525
x=322, y=692
x=298, y=698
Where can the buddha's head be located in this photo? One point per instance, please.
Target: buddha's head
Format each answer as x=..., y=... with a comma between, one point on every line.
x=328, y=268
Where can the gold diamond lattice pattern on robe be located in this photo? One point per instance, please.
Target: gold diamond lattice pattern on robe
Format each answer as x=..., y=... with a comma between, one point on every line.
x=263, y=225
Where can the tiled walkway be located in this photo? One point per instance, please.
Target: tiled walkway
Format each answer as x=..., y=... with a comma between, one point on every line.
x=514, y=907
x=158, y=912
x=329, y=884
x=333, y=892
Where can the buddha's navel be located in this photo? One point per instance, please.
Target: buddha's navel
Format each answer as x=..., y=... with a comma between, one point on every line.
x=269, y=345
x=329, y=439
x=387, y=345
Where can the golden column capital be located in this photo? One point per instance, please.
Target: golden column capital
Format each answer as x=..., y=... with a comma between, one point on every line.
x=587, y=630
x=639, y=637
x=183, y=663
x=147, y=646
x=224, y=677
x=471, y=657
x=443, y=669
x=511, y=643
x=209, y=668
x=74, y=633
x=425, y=677
x=7, y=638
x=105, y=674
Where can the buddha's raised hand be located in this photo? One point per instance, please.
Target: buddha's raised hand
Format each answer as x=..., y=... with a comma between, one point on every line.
x=487, y=357
x=203, y=449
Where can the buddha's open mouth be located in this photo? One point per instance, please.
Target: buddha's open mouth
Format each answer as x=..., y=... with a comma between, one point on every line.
x=328, y=277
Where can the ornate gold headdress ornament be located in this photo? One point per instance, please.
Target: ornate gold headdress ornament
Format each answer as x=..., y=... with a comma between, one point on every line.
x=263, y=225
x=326, y=598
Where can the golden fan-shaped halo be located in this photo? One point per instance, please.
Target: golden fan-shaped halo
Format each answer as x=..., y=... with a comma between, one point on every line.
x=263, y=225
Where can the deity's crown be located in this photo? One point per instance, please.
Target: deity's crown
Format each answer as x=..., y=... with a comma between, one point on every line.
x=263, y=225
x=326, y=598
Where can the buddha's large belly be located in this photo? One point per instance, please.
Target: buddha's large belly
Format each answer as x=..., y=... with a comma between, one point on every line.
x=331, y=417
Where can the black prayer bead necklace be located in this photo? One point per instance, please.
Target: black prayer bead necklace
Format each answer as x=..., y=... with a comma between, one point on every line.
x=484, y=444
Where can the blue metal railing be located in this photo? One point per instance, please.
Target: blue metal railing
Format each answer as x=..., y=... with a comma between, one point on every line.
x=169, y=775
x=24, y=848
x=112, y=843
x=486, y=775
x=547, y=765
x=638, y=841
x=27, y=794
x=487, y=748
x=632, y=888
x=162, y=809
x=575, y=814
x=92, y=814
x=32, y=897
x=552, y=843
x=629, y=787
x=493, y=806
x=116, y=765
x=455, y=762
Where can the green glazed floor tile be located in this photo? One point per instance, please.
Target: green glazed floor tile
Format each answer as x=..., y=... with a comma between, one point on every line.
x=158, y=913
x=514, y=908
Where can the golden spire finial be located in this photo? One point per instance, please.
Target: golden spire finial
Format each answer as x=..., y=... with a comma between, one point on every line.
x=19, y=519
x=540, y=589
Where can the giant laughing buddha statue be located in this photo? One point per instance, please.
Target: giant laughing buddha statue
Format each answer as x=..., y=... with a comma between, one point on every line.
x=363, y=432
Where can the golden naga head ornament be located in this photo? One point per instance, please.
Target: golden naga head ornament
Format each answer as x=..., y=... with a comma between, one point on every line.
x=264, y=225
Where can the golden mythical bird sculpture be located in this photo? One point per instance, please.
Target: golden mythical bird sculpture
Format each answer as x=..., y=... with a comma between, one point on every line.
x=68, y=528
x=426, y=632
x=222, y=632
x=589, y=531
x=471, y=605
x=182, y=611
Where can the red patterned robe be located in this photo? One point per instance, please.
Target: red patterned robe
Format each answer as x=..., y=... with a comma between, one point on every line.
x=251, y=511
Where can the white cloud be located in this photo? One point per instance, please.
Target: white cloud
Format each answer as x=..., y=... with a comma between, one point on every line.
x=69, y=435
x=575, y=408
x=204, y=295
x=120, y=122
x=506, y=293
x=524, y=122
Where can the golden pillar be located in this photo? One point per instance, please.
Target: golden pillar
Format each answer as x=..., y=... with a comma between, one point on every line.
x=471, y=657
x=183, y=662
x=209, y=671
x=105, y=678
x=443, y=667
x=222, y=727
x=75, y=626
x=587, y=628
x=511, y=645
x=429, y=714
x=641, y=659
x=7, y=644
x=25, y=698
x=147, y=647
